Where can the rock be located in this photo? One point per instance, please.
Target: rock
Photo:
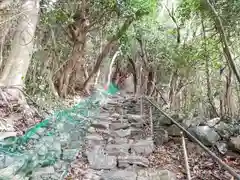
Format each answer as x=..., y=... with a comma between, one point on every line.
x=91, y=130
x=144, y=147
x=160, y=136
x=46, y=172
x=224, y=130
x=94, y=139
x=155, y=174
x=118, y=125
x=125, y=161
x=75, y=136
x=104, y=132
x=213, y=122
x=91, y=174
x=136, y=132
x=133, y=118
x=115, y=115
x=60, y=165
x=69, y=154
x=195, y=121
x=119, y=175
x=117, y=149
x=100, y=124
x=64, y=139
x=55, y=146
x=4, y=135
x=42, y=149
x=173, y=130
x=122, y=133
x=178, y=117
x=2, y=161
x=137, y=125
x=8, y=161
x=163, y=121
x=120, y=140
x=47, y=140
x=205, y=134
x=99, y=160
x=222, y=147
x=103, y=116
x=235, y=143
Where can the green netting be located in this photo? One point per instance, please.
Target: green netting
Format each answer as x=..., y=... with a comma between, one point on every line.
x=54, y=141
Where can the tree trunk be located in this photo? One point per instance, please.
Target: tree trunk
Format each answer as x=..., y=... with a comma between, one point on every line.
x=227, y=95
x=18, y=61
x=110, y=69
x=172, y=84
x=223, y=38
x=73, y=72
x=213, y=110
x=106, y=50
x=151, y=82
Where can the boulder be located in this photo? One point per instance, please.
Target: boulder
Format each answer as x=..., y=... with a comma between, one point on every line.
x=235, y=143
x=224, y=130
x=208, y=136
x=213, y=122
x=163, y=121
x=173, y=130
x=192, y=122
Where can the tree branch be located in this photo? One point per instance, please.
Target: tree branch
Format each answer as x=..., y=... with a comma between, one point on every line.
x=220, y=30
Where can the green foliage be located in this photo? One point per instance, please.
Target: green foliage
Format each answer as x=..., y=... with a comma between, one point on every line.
x=186, y=8
x=130, y=8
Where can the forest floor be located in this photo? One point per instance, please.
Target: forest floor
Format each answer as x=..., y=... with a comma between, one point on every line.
x=202, y=166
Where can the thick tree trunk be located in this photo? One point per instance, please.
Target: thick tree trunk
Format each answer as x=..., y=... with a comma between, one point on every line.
x=18, y=61
x=73, y=72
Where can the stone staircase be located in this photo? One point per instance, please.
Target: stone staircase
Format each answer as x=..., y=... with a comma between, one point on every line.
x=118, y=144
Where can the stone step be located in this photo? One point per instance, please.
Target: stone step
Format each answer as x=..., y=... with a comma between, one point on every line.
x=129, y=160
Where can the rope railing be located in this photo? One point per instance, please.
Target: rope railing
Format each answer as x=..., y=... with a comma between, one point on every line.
x=217, y=159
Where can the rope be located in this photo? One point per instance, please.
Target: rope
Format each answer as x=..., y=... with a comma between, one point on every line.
x=224, y=165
